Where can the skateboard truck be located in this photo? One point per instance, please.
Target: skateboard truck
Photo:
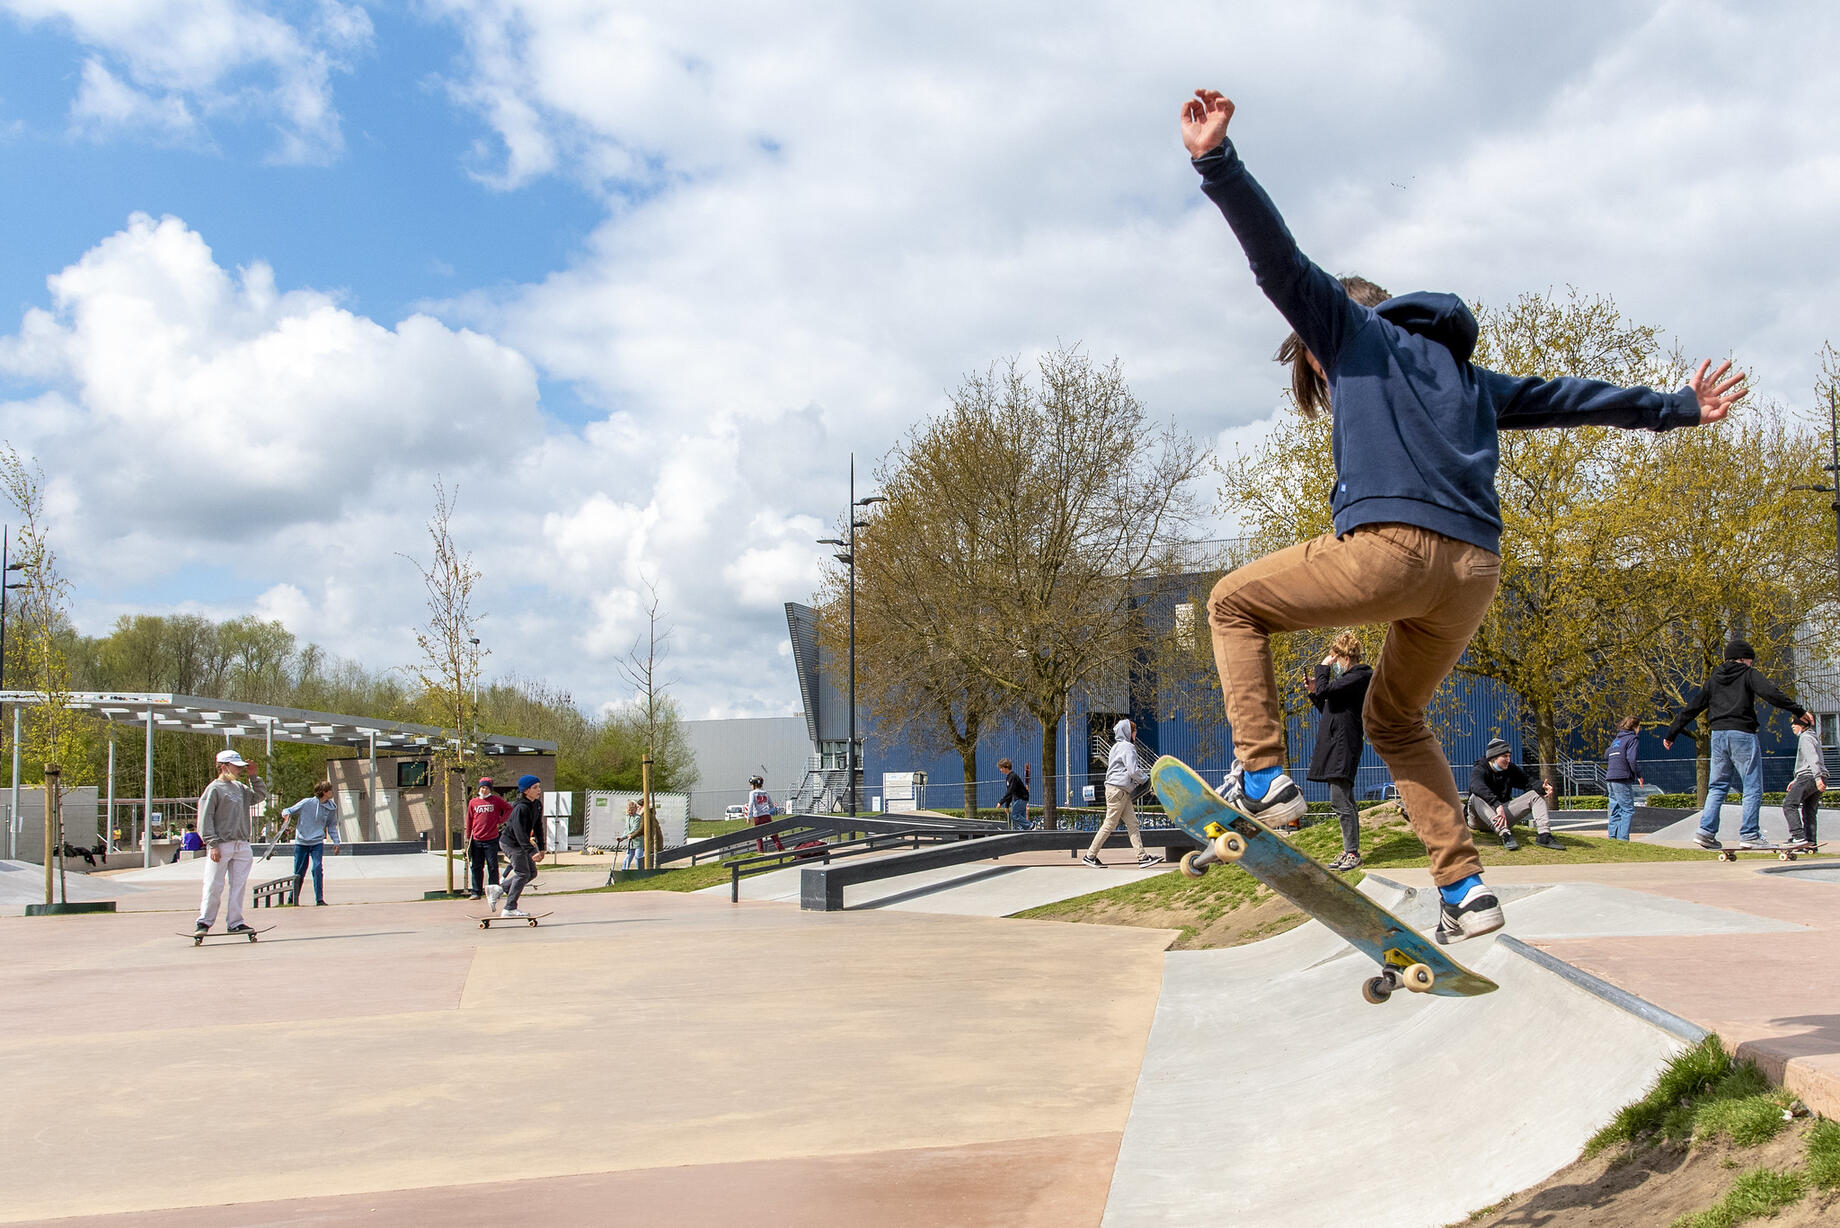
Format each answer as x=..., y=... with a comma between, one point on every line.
x=1398, y=972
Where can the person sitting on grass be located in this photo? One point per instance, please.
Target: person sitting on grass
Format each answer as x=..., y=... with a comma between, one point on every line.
x=1501, y=790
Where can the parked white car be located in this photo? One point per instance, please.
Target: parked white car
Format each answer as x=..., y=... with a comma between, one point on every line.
x=735, y=812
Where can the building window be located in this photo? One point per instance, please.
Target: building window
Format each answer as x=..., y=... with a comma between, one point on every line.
x=1187, y=625
x=412, y=774
x=1829, y=723
x=836, y=756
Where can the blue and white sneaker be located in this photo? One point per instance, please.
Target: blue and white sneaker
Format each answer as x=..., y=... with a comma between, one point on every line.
x=1281, y=806
x=1476, y=914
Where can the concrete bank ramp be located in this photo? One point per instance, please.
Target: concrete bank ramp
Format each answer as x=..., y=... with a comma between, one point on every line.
x=1731, y=818
x=1271, y=1094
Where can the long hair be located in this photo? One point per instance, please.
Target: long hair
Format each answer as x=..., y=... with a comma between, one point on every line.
x=1310, y=389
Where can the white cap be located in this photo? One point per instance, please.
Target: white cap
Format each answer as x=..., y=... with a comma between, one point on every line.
x=232, y=758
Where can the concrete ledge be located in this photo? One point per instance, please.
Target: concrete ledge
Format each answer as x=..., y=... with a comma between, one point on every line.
x=69, y=907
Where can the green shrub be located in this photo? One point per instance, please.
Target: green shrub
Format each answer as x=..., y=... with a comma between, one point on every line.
x=1824, y=1155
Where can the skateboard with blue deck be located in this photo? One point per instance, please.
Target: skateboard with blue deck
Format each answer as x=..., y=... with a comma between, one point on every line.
x=1407, y=959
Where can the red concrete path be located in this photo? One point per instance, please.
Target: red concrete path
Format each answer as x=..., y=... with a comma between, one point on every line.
x=1774, y=998
x=1020, y=1183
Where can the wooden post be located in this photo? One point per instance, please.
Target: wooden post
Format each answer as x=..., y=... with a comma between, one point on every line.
x=52, y=772
x=652, y=842
x=447, y=821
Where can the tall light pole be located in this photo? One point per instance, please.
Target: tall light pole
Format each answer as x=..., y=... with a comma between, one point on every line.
x=475, y=643
x=7, y=568
x=849, y=556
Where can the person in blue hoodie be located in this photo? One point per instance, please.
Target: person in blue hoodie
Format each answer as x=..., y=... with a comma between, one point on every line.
x=1417, y=526
x=1622, y=776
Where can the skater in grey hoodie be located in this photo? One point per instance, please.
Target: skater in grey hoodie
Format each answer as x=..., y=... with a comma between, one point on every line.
x=1810, y=782
x=1124, y=776
x=223, y=823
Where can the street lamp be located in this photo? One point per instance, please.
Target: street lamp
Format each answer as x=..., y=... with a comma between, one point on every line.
x=1833, y=468
x=849, y=557
x=7, y=567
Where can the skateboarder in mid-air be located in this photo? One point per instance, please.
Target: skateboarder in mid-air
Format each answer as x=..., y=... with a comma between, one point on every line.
x=1417, y=526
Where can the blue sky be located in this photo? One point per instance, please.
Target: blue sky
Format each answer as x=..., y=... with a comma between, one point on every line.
x=638, y=278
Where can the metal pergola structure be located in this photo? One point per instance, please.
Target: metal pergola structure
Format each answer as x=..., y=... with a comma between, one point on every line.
x=226, y=719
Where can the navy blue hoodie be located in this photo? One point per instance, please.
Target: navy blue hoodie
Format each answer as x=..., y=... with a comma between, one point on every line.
x=1414, y=421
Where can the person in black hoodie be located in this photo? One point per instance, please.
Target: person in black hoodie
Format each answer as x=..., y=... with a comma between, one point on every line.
x=1501, y=790
x=1416, y=526
x=1015, y=795
x=1729, y=700
x=1337, y=690
x=523, y=842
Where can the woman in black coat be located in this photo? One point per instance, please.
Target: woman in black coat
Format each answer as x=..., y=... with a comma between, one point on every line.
x=1338, y=689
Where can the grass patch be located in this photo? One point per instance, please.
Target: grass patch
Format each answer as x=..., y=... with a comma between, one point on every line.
x=1683, y=1084
x=1824, y=1155
x=703, y=829
x=1393, y=846
x=1202, y=901
x=1759, y=1192
x=688, y=878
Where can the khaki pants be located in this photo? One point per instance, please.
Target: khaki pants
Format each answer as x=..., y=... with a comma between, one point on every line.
x=1432, y=590
x=1529, y=803
x=1117, y=807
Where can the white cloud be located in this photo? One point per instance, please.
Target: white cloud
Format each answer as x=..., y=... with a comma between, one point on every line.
x=168, y=67
x=106, y=104
x=820, y=216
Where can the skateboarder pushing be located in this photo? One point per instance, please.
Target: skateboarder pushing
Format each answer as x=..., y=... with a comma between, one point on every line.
x=223, y=823
x=1417, y=526
x=523, y=842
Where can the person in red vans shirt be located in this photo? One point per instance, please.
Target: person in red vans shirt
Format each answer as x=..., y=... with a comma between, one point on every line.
x=485, y=818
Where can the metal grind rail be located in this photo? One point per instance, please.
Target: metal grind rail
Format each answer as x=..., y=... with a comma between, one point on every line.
x=821, y=887
x=802, y=827
x=825, y=852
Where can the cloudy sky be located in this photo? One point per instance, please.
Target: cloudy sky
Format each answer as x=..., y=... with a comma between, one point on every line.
x=637, y=278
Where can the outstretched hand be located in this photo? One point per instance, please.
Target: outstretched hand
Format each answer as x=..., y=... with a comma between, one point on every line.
x=1717, y=393
x=1204, y=121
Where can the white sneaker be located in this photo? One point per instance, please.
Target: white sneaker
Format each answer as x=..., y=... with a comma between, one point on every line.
x=493, y=891
x=514, y=912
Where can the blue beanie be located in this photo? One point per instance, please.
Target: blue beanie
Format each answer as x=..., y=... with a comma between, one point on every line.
x=524, y=782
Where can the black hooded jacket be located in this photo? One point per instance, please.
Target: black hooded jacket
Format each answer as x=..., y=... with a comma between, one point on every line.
x=1339, y=735
x=1729, y=700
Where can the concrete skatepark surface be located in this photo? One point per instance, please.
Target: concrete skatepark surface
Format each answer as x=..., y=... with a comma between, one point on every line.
x=1731, y=818
x=651, y=1057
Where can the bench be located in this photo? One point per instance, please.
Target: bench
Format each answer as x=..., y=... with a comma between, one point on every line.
x=279, y=891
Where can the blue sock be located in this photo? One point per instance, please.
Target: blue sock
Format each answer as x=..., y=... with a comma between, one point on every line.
x=1258, y=780
x=1454, y=893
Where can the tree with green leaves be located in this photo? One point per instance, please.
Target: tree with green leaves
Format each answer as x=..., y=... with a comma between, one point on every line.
x=1041, y=508
x=57, y=736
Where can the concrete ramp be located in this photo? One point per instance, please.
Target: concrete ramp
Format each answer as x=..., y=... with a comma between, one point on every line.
x=1731, y=818
x=1271, y=1094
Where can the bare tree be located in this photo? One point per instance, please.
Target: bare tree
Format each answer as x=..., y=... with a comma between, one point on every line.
x=449, y=665
x=641, y=671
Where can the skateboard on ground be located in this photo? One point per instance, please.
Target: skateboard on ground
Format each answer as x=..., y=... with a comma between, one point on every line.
x=1406, y=957
x=1784, y=852
x=198, y=939
x=485, y=923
